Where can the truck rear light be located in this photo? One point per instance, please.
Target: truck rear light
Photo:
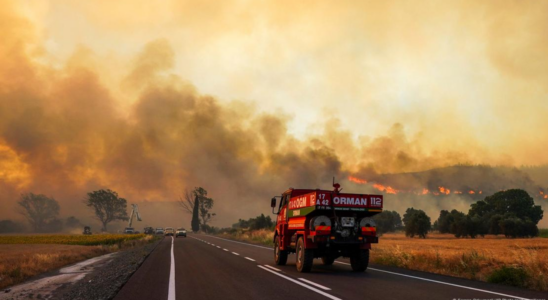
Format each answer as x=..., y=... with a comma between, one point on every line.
x=332, y=237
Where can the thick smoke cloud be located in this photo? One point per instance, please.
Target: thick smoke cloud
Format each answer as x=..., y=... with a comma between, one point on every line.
x=89, y=120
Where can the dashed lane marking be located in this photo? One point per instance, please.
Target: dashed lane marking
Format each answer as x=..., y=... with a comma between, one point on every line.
x=251, y=259
x=300, y=283
x=275, y=269
x=315, y=284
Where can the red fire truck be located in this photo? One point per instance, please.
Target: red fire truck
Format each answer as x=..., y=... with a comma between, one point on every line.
x=325, y=224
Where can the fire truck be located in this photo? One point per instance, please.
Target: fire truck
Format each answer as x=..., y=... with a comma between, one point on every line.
x=325, y=224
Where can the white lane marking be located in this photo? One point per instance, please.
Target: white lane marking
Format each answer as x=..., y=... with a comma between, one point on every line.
x=171, y=293
x=225, y=249
x=218, y=247
x=275, y=269
x=241, y=242
x=315, y=284
x=441, y=282
x=300, y=283
x=251, y=259
x=235, y=253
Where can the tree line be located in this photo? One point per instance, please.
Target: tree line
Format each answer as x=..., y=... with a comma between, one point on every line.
x=512, y=213
x=42, y=212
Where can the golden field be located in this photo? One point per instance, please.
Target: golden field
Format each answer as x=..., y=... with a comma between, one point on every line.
x=444, y=254
x=70, y=239
x=24, y=256
x=468, y=258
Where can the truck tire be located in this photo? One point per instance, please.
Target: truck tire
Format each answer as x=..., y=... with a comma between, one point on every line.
x=280, y=256
x=359, y=260
x=305, y=257
x=328, y=260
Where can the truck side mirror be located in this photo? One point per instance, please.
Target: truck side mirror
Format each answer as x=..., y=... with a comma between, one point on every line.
x=273, y=202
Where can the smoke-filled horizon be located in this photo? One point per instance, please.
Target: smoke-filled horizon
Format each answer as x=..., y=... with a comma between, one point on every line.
x=247, y=99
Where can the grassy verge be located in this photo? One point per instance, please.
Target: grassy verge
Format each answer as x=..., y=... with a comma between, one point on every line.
x=517, y=262
x=543, y=232
x=20, y=261
x=262, y=236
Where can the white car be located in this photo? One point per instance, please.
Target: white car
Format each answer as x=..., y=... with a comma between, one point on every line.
x=180, y=232
x=159, y=230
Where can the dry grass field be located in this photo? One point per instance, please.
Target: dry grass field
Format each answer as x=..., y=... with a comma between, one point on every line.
x=22, y=257
x=521, y=260
x=469, y=258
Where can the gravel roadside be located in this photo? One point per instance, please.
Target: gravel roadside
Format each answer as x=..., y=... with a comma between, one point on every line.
x=105, y=282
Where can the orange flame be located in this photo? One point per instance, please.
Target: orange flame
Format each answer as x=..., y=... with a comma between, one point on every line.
x=387, y=189
x=425, y=191
x=480, y=192
x=444, y=190
x=545, y=197
x=357, y=180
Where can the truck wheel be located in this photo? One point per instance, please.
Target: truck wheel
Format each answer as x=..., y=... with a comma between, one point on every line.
x=305, y=257
x=359, y=260
x=328, y=260
x=280, y=256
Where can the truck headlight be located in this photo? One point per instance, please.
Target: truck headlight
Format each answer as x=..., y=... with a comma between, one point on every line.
x=367, y=222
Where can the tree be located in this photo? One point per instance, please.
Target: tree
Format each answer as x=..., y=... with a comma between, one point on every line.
x=260, y=222
x=205, y=204
x=511, y=212
x=195, y=223
x=108, y=206
x=416, y=223
x=9, y=226
x=39, y=210
x=387, y=221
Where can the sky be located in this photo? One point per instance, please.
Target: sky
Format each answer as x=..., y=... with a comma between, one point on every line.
x=246, y=98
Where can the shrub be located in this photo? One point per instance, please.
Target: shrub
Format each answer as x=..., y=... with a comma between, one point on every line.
x=509, y=276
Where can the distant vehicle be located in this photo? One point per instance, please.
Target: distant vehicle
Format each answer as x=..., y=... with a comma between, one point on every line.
x=180, y=232
x=169, y=231
x=149, y=230
x=160, y=230
x=87, y=230
x=129, y=230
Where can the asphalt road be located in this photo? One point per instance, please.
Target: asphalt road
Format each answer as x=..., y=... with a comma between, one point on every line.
x=207, y=267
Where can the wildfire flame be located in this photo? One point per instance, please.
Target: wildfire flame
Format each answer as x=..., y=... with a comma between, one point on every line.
x=387, y=189
x=441, y=190
x=357, y=180
x=444, y=190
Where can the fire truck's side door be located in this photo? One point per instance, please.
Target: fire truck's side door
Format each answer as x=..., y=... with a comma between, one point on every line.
x=282, y=216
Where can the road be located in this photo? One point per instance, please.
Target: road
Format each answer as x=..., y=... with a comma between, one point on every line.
x=207, y=267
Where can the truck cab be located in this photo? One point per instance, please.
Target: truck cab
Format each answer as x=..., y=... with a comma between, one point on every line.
x=325, y=224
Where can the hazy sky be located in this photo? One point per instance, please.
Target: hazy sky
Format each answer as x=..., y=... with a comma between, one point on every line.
x=92, y=94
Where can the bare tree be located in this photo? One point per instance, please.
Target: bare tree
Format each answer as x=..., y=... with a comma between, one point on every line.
x=39, y=210
x=205, y=204
x=186, y=201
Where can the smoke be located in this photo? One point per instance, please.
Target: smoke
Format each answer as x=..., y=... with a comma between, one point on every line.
x=75, y=117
